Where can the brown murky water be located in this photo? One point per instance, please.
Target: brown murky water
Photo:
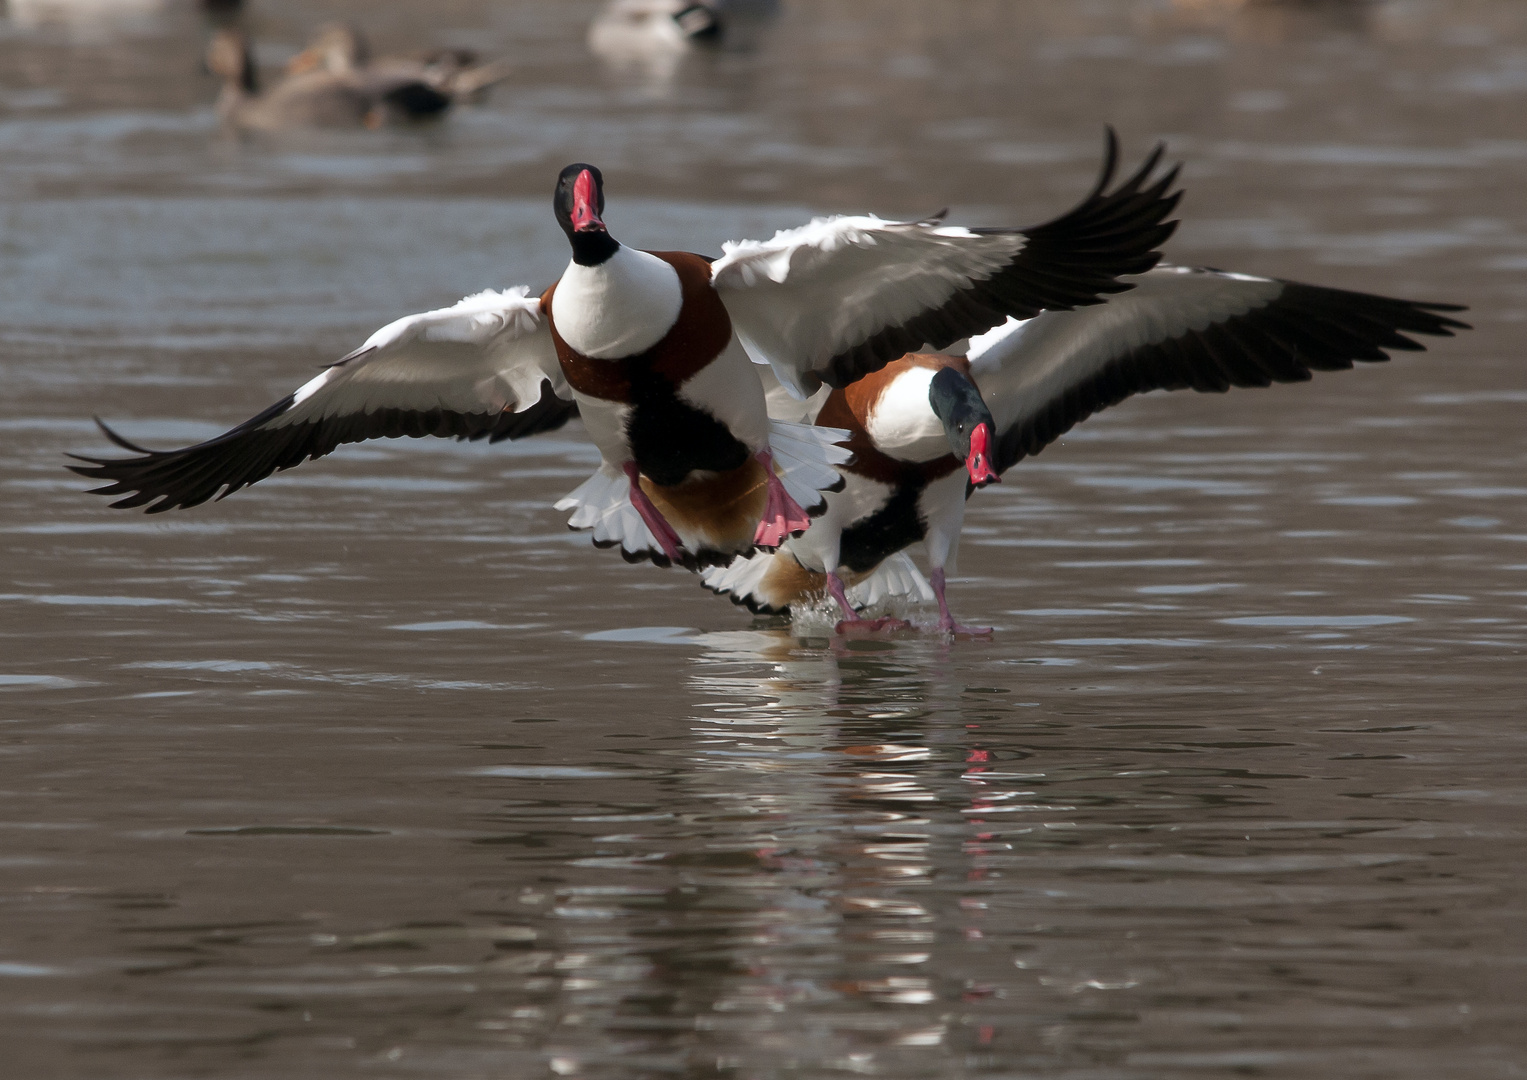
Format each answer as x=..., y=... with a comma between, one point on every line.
x=374, y=770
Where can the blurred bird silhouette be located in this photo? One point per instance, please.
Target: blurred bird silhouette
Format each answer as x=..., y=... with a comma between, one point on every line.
x=316, y=99
x=340, y=48
x=657, y=32
x=94, y=14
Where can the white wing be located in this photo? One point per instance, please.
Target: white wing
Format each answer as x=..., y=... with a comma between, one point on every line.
x=483, y=368
x=843, y=296
x=783, y=405
x=1180, y=328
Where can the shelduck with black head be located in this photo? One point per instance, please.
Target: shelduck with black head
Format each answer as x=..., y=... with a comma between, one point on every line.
x=1023, y=385
x=660, y=351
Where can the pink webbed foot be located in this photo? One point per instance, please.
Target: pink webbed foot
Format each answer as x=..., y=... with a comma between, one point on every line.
x=782, y=517
x=856, y=627
x=853, y=625
x=946, y=623
x=662, y=532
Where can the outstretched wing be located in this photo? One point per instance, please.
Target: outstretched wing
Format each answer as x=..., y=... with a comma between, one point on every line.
x=1181, y=328
x=484, y=368
x=842, y=297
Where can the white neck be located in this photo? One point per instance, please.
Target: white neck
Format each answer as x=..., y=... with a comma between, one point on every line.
x=620, y=308
x=903, y=423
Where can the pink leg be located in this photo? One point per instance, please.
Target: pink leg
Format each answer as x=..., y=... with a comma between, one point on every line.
x=663, y=532
x=854, y=622
x=782, y=516
x=946, y=621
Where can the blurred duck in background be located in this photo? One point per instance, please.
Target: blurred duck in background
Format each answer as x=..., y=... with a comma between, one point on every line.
x=340, y=48
x=96, y=14
x=319, y=98
x=652, y=35
x=632, y=27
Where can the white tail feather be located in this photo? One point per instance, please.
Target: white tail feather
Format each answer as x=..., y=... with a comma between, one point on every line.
x=806, y=455
x=896, y=578
x=603, y=503
x=740, y=577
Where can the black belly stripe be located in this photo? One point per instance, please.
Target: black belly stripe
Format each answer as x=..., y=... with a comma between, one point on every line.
x=671, y=438
x=870, y=541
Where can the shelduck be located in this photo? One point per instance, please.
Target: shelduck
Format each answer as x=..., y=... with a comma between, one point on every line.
x=659, y=353
x=927, y=430
x=314, y=99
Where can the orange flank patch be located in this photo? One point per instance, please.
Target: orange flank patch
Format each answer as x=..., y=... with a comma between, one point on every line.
x=787, y=583
x=718, y=512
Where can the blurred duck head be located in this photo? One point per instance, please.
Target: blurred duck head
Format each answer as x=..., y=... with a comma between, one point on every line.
x=231, y=58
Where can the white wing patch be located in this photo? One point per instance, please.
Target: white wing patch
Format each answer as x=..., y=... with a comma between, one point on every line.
x=807, y=456
x=808, y=294
x=487, y=353
x=475, y=319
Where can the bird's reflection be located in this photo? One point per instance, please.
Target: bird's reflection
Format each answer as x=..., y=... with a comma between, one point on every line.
x=826, y=909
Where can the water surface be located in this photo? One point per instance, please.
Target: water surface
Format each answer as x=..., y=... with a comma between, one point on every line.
x=376, y=770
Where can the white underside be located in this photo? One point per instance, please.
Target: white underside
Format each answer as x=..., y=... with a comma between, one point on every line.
x=729, y=389
x=806, y=458
x=943, y=507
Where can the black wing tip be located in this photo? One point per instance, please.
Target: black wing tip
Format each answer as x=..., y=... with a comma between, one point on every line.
x=1137, y=179
x=1071, y=261
x=119, y=440
x=1437, y=324
x=1405, y=316
x=1135, y=203
x=1445, y=325
x=1110, y=163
